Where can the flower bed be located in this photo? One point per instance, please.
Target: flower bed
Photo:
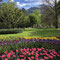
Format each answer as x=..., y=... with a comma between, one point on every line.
x=13, y=50
x=31, y=54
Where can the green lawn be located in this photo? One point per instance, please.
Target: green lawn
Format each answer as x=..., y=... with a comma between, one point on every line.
x=29, y=32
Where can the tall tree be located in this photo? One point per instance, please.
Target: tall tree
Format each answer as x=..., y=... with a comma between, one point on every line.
x=38, y=16
x=33, y=19
x=58, y=8
x=10, y=15
x=53, y=6
x=48, y=18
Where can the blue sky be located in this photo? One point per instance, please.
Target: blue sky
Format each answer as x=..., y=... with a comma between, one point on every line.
x=26, y=3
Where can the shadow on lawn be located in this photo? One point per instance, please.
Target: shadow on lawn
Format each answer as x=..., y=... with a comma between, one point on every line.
x=45, y=33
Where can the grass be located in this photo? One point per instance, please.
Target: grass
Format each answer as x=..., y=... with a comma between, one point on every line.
x=29, y=32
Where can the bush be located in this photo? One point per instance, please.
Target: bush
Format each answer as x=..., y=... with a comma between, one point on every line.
x=11, y=31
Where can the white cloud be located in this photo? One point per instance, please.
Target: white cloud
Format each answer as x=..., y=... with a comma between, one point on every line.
x=20, y=5
x=29, y=0
x=11, y=0
x=36, y=2
x=32, y=0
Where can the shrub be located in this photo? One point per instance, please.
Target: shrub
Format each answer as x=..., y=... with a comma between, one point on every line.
x=11, y=31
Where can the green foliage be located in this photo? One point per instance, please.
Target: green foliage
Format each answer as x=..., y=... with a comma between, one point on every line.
x=11, y=31
x=11, y=16
x=38, y=16
x=7, y=14
x=33, y=19
x=48, y=18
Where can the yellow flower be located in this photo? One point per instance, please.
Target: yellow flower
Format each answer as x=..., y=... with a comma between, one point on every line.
x=42, y=38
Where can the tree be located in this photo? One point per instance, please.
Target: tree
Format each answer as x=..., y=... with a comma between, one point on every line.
x=48, y=18
x=23, y=10
x=7, y=14
x=58, y=8
x=11, y=16
x=33, y=19
x=38, y=16
x=54, y=9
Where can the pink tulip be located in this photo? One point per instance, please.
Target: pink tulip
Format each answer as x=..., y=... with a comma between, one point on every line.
x=49, y=50
x=32, y=57
x=5, y=52
x=6, y=59
x=14, y=56
x=51, y=54
x=51, y=57
x=24, y=53
x=29, y=54
x=30, y=49
x=44, y=53
x=21, y=50
x=55, y=53
x=8, y=56
x=3, y=56
x=45, y=57
x=39, y=49
x=29, y=58
x=46, y=49
x=32, y=53
x=11, y=51
x=42, y=48
x=34, y=49
x=58, y=55
x=41, y=54
x=36, y=58
x=17, y=50
x=27, y=48
x=25, y=58
x=21, y=55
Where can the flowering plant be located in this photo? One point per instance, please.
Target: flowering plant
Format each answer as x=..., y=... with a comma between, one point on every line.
x=31, y=54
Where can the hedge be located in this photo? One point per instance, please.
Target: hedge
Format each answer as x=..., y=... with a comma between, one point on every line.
x=11, y=31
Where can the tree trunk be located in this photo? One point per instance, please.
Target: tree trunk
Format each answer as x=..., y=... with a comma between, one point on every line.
x=56, y=15
x=56, y=22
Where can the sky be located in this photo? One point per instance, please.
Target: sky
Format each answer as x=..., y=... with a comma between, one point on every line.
x=26, y=3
